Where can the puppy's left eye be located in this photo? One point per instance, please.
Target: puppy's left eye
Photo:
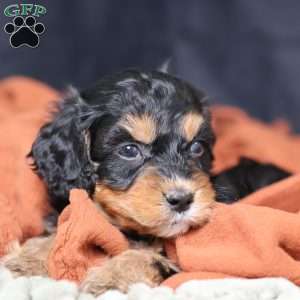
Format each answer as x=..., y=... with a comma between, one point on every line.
x=196, y=149
x=130, y=152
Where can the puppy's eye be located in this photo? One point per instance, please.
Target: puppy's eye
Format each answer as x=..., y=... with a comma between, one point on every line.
x=130, y=152
x=196, y=149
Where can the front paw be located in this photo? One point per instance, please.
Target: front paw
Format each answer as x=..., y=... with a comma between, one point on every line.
x=130, y=267
x=30, y=258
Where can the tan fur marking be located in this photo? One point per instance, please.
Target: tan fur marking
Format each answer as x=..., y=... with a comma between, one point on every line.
x=144, y=208
x=191, y=124
x=142, y=128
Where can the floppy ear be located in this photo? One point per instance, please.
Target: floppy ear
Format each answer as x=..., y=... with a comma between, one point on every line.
x=61, y=151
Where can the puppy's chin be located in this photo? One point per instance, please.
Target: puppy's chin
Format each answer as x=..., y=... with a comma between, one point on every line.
x=179, y=223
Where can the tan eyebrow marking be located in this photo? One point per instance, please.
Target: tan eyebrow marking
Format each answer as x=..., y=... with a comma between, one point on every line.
x=141, y=128
x=190, y=125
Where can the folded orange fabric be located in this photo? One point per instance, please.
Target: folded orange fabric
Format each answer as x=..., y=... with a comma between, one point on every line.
x=84, y=239
x=244, y=239
x=239, y=135
x=23, y=106
x=283, y=195
x=241, y=240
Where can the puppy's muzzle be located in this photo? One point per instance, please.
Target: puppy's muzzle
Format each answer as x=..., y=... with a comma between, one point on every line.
x=179, y=200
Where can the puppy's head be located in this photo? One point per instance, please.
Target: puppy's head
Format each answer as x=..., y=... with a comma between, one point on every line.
x=140, y=143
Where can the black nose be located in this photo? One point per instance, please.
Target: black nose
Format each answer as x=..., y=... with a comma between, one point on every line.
x=179, y=200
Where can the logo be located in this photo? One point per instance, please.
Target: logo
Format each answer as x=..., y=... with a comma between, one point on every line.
x=24, y=30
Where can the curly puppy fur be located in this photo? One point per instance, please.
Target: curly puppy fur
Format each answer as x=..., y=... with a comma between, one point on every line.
x=141, y=144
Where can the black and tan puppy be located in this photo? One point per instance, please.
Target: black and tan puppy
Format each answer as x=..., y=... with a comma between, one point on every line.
x=141, y=144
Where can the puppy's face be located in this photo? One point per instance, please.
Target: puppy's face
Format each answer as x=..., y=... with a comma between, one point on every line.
x=153, y=150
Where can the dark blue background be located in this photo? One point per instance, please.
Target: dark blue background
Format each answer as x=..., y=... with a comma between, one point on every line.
x=245, y=53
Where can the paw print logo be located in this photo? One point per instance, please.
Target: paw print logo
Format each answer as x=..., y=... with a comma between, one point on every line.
x=24, y=31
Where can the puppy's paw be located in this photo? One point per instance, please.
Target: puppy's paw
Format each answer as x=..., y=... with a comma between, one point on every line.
x=128, y=268
x=28, y=259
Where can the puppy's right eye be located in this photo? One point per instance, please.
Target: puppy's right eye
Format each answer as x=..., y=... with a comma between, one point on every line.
x=196, y=149
x=130, y=152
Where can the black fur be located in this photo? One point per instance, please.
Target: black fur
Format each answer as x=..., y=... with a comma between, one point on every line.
x=60, y=151
x=60, y=154
x=244, y=179
x=165, y=271
x=81, y=145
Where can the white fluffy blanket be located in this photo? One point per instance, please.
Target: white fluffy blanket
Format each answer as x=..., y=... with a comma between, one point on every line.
x=38, y=288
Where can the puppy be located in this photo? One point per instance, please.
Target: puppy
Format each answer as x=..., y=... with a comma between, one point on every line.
x=140, y=143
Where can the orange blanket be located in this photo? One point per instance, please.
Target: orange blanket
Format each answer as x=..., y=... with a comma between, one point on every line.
x=241, y=240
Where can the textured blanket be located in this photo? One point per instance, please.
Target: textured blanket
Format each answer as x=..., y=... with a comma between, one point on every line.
x=241, y=240
x=39, y=288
